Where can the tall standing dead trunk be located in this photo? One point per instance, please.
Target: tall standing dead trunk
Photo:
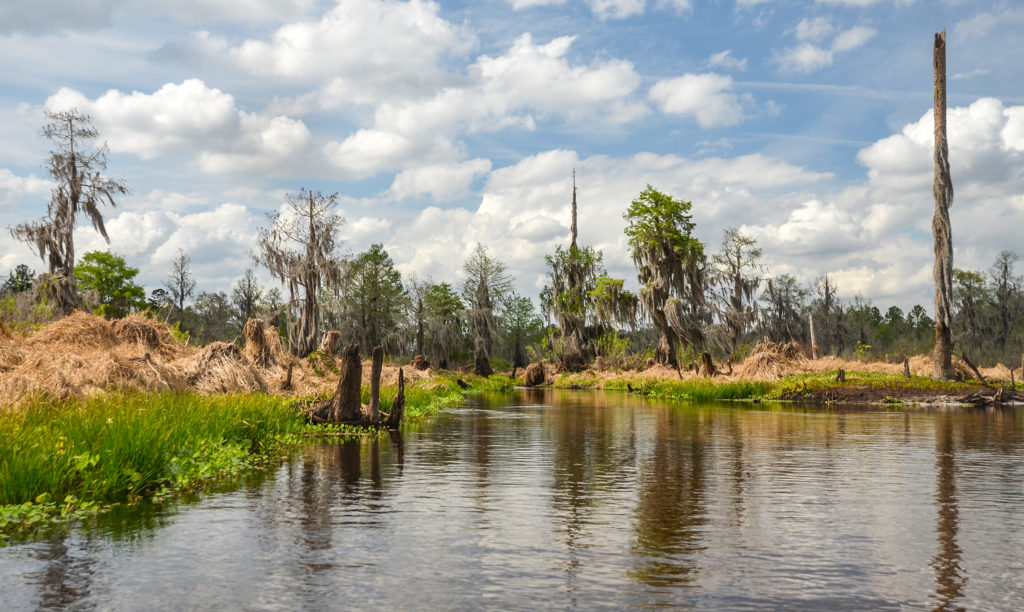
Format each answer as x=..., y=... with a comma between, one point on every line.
x=376, y=367
x=942, y=188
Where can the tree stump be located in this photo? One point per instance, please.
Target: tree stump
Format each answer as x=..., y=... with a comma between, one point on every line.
x=329, y=343
x=420, y=363
x=257, y=349
x=345, y=406
x=534, y=376
x=708, y=369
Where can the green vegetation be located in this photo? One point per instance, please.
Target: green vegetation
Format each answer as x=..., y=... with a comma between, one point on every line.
x=65, y=460
x=59, y=459
x=111, y=282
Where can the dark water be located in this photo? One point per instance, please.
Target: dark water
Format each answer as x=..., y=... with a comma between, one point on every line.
x=547, y=499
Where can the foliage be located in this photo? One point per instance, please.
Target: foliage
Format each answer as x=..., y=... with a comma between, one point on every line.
x=300, y=248
x=522, y=326
x=116, y=448
x=485, y=289
x=737, y=275
x=245, y=298
x=18, y=281
x=670, y=266
x=211, y=318
x=111, y=279
x=76, y=166
x=572, y=278
x=444, y=324
x=372, y=300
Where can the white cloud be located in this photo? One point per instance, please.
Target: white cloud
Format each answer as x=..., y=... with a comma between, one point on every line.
x=606, y=9
x=524, y=208
x=892, y=210
x=808, y=57
x=852, y=38
x=707, y=97
x=813, y=30
x=193, y=118
x=530, y=82
x=725, y=61
x=678, y=6
x=366, y=50
x=442, y=182
x=13, y=187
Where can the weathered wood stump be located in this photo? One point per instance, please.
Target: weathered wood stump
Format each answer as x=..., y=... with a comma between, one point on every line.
x=708, y=368
x=329, y=343
x=534, y=376
x=420, y=363
x=345, y=407
x=257, y=349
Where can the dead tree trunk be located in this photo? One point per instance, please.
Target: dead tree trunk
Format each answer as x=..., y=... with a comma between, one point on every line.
x=942, y=233
x=329, y=343
x=398, y=407
x=974, y=369
x=375, y=369
x=346, y=407
x=709, y=365
x=815, y=352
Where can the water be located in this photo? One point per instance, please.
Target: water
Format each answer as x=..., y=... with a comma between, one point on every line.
x=578, y=499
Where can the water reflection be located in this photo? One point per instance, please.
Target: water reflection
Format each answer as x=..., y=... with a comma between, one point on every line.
x=556, y=499
x=949, y=576
x=671, y=509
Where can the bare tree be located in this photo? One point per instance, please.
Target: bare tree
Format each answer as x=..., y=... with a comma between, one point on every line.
x=180, y=281
x=76, y=167
x=300, y=249
x=245, y=297
x=737, y=277
x=942, y=233
x=485, y=289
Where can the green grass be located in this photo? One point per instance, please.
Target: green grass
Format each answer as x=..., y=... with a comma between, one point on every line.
x=57, y=458
x=817, y=381
x=695, y=389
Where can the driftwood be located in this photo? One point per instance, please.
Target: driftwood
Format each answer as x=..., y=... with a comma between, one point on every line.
x=345, y=407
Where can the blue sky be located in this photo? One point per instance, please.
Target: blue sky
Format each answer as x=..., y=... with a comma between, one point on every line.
x=804, y=123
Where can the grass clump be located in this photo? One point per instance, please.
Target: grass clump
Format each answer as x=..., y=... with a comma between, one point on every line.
x=58, y=459
x=808, y=383
x=701, y=389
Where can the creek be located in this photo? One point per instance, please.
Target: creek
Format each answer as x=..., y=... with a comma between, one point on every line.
x=542, y=498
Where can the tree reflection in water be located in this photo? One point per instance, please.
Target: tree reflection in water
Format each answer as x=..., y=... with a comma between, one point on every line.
x=672, y=506
x=950, y=578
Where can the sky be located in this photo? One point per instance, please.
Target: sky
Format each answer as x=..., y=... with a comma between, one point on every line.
x=806, y=124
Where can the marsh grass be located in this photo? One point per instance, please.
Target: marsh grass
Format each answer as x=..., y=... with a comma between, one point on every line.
x=693, y=389
x=60, y=457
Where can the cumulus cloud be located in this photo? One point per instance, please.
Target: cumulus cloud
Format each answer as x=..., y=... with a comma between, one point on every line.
x=376, y=50
x=192, y=118
x=528, y=83
x=725, y=61
x=13, y=187
x=706, y=97
x=523, y=211
x=813, y=30
x=856, y=232
x=808, y=57
x=442, y=182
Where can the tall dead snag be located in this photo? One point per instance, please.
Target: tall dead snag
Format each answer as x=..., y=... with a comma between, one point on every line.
x=378, y=365
x=942, y=233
